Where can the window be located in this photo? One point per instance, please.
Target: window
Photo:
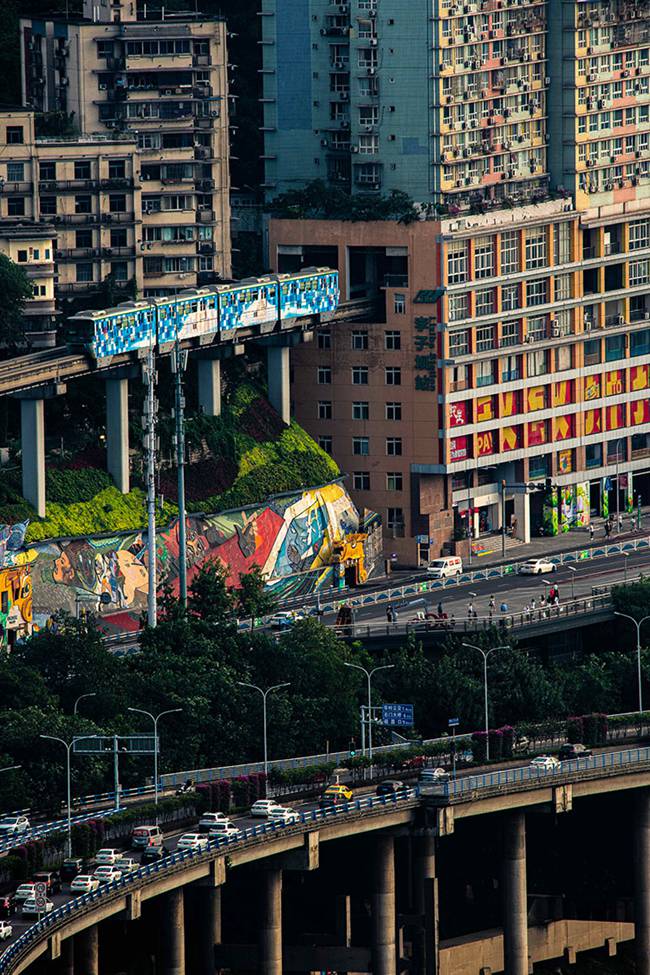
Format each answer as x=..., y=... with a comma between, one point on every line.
x=22, y=257
x=457, y=255
x=510, y=252
x=510, y=333
x=562, y=243
x=640, y=342
x=360, y=446
x=563, y=358
x=84, y=238
x=393, y=411
x=510, y=368
x=639, y=272
x=535, y=248
x=324, y=375
x=614, y=348
x=82, y=169
x=536, y=363
x=15, y=172
x=325, y=409
x=536, y=292
x=16, y=206
x=361, y=410
x=639, y=234
x=393, y=375
x=394, y=481
x=510, y=297
x=368, y=144
x=562, y=287
x=325, y=443
x=392, y=341
x=485, y=302
x=361, y=481
x=324, y=340
x=394, y=446
x=484, y=372
x=536, y=329
x=395, y=522
x=118, y=238
x=458, y=307
x=399, y=304
x=593, y=455
x=484, y=257
x=47, y=170
x=359, y=375
x=120, y=270
x=459, y=342
x=485, y=338
x=48, y=206
x=592, y=352
x=15, y=135
x=116, y=169
x=360, y=341
x=82, y=204
x=84, y=272
x=117, y=203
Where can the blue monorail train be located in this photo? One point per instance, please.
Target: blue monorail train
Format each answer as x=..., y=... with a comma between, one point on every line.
x=218, y=311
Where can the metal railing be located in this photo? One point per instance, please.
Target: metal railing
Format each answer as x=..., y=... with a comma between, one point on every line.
x=37, y=832
x=250, y=836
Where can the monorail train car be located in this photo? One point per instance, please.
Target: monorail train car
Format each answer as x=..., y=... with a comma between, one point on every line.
x=220, y=310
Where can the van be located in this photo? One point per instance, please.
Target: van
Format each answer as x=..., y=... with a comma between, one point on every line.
x=144, y=836
x=445, y=568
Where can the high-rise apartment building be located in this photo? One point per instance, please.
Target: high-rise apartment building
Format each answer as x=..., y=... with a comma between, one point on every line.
x=161, y=85
x=514, y=342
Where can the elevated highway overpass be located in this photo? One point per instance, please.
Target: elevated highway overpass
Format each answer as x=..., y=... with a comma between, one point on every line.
x=401, y=887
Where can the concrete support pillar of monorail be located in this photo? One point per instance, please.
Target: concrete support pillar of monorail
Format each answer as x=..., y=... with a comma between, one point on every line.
x=86, y=952
x=384, y=947
x=209, y=386
x=642, y=884
x=173, y=931
x=515, y=897
x=66, y=966
x=426, y=942
x=117, y=432
x=277, y=358
x=210, y=930
x=32, y=437
x=271, y=926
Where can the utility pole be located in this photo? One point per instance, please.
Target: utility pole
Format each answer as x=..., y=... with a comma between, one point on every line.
x=179, y=362
x=149, y=420
x=503, y=518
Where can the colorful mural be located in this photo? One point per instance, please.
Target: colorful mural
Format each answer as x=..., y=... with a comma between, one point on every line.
x=292, y=539
x=566, y=508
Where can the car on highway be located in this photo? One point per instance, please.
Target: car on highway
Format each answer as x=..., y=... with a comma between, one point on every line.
x=153, y=854
x=193, y=841
x=107, y=856
x=143, y=836
x=573, y=750
x=51, y=880
x=24, y=892
x=536, y=567
x=13, y=824
x=545, y=763
x=223, y=828
x=334, y=795
x=285, y=619
x=6, y=930
x=262, y=806
x=390, y=787
x=210, y=819
x=127, y=865
x=84, y=883
x=433, y=775
x=31, y=907
x=70, y=868
x=445, y=568
x=284, y=815
x=107, y=874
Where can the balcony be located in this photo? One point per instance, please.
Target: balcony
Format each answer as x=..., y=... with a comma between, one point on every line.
x=206, y=216
x=15, y=187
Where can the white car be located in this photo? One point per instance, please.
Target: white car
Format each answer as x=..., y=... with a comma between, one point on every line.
x=283, y=814
x=536, y=567
x=84, y=883
x=25, y=891
x=192, y=841
x=107, y=874
x=127, y=865
x=108, y=856
x=433, y=775
x=13, y=824
x=6, y=930
x=545, y=763
x=210, y=819
x=262, y=807
x=223, y=828
x=30, y=907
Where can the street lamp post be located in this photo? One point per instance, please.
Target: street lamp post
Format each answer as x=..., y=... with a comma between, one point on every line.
x=573, y=571
x=369, y=674
x=626, y=556
x=80, y=698
x=485, y=654
x=155, y=718
x=264, y=693
x=68, y=748
x=638, y=624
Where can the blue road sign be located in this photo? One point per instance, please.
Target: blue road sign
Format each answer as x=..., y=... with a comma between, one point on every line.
x=453, y=722
x=397, y=715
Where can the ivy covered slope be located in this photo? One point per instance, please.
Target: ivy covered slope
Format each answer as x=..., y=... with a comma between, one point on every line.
x=236, y=459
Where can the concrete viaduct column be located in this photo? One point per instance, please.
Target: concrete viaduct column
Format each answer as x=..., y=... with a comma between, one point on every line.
x=117, y=432
x=426, y=904
x=271, y=927
x=642, y=884
x=86, y=952
x=210, y=931
x=384, y=948
x=277, y=359
x=67, y=957
x=32, y=436
x=209, y=373
x=173, y=921
x=515, y=910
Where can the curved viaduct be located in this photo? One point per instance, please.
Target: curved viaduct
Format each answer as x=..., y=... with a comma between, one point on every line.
x=167, y=917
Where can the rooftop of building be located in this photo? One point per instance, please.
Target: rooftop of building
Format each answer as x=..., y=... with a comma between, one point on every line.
x=154, y=17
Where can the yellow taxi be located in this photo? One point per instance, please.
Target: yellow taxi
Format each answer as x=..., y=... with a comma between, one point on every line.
x=334, y=794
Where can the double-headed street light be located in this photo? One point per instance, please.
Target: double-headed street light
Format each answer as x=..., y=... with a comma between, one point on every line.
x=369, y=674
x=80, y=698
x=638, y=624
x=68, y=747
x=155, y=718
x=485, y=654
x=264, y=693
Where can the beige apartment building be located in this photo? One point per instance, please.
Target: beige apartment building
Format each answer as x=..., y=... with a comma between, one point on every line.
x=155, y=93
x=31, y=245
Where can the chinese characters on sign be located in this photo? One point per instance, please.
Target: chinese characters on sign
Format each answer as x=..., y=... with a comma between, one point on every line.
x=397, y=715
x=425, y=359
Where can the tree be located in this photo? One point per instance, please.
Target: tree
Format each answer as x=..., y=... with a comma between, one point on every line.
x=16, y=289
x=253, y=598
x=209, y=599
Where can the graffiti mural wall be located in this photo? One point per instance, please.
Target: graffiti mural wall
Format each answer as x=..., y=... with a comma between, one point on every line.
x=290, y=538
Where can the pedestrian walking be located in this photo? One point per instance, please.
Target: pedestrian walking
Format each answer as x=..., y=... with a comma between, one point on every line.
x=533, y=604
x=492, y=604
x=470, y=609
x=591, y=533
x=389, y=614
x=542, y=601
x=608, y=528
x=632, y=524
x=440, y=613
x=619, y=523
